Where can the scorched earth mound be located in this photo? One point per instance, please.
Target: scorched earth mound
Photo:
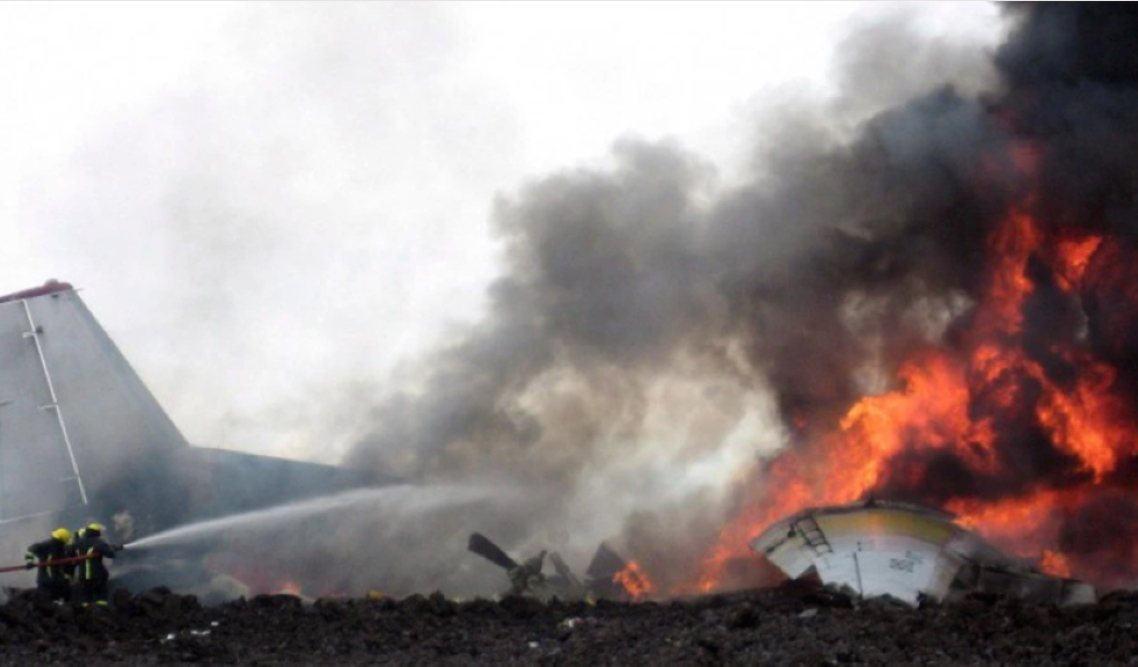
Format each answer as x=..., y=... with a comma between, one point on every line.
x=796, y=623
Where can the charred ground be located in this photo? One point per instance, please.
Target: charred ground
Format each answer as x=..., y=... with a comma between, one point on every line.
x=795, y=623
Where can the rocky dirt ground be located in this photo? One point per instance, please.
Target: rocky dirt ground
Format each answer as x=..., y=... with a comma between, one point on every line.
x=794, y=624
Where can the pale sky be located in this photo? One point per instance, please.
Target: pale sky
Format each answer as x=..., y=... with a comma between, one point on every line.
x=265, y=202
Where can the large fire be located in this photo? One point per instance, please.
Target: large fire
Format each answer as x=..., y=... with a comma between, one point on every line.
x=960, y=409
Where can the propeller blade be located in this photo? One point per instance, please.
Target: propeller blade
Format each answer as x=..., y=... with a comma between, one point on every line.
x=481, y=545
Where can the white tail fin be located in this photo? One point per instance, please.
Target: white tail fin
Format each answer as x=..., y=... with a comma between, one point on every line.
x=73, y=412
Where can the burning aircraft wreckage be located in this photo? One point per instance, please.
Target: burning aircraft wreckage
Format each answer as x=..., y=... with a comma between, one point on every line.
x=69, y=392
x=951, y=340
x=871, y=548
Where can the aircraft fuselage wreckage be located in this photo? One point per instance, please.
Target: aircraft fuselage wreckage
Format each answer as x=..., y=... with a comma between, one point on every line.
x=527, y=578
x=81, y=437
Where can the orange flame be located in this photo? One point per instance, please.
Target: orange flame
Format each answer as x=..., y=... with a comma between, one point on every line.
x=954, y=402
x=1055, y=564
x=634, y=580
x=290, y=588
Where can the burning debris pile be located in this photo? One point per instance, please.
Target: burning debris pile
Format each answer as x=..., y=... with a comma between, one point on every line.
x=608, y=575
x=1019, y=227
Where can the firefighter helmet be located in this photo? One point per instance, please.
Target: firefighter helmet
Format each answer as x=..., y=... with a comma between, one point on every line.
x=61, y=534
x=95, y=526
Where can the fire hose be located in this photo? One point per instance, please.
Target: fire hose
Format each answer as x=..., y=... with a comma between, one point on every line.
x=50, y=563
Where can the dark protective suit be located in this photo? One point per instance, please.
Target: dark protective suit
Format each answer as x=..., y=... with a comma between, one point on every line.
x=51, y=578
x=92, y=573
x=73, y=571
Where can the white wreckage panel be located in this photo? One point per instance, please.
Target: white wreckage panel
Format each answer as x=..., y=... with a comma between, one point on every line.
x=877, y=548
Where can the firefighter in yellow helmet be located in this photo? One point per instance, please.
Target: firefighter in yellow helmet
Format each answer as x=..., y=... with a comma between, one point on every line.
x=51, y=578
x=73, y=572
x=92, y=573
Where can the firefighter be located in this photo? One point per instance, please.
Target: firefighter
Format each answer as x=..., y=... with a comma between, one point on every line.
x=73, y=568
x=51, y=578
x=92, y=573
